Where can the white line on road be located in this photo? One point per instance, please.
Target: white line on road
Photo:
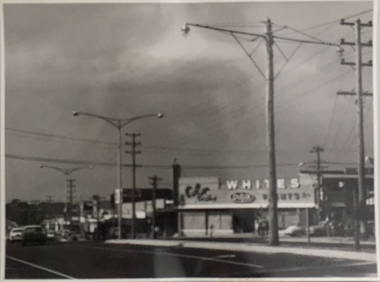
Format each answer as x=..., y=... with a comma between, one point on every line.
x=226, y=256
x=40, y=267
x=179, y=255
x=291, y=269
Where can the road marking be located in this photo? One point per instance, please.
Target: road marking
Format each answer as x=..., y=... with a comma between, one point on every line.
x=225, y=256
x=40, y=267
x=180, y=255
x=319, y=267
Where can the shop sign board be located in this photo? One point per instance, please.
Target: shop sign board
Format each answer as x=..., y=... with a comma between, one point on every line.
x=208, y=192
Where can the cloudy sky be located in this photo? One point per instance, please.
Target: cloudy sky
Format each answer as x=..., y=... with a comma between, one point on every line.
x=125, y=60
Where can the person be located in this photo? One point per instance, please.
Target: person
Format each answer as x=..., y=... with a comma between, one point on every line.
x=156, y=231
x=256, y=225
x=263, y=227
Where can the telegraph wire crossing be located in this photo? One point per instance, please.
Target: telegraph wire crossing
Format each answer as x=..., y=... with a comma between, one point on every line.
x=62, y=138
x=292, y=86
x=230, y=105
x=254, y=77
x=93, y=163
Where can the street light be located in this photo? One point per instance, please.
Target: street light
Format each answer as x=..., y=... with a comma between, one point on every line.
x=119, y=123
x=66, y=172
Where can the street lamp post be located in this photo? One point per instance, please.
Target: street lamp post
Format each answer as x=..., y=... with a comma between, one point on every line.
x=66, y=172
x=118, y=123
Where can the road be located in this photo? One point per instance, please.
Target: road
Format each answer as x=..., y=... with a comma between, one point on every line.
x=89, y=260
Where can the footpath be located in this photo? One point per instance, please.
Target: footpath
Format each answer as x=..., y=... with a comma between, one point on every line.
x=331, y=247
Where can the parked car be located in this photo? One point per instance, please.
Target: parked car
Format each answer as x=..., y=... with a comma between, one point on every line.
x=319, y=229
x=15, y=234
x=33, y=234
x=327, y=228
x=50, y=235
x=294, y=230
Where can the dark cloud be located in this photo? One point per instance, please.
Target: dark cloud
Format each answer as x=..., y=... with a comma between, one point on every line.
x=124, y=60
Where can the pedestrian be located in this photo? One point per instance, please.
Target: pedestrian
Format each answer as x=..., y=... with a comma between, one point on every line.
x=256, y=226
x=211, y=230
x=263, y=227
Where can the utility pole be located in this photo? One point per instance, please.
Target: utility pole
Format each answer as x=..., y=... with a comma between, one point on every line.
x=154, y=183
x=70, y=195
x=272, y=207
x=318, y=150
x=176, y=176
x=134, y=144
x=96, y=202
x=49, y=201
x=360, y=207
x=269, y=38
x=49, y=208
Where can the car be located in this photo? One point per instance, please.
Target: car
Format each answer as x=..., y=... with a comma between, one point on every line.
x=33, y=234
x=319, y=229
x=294, y=230
x=50, y=235
x=15, y=234
x=327, y=228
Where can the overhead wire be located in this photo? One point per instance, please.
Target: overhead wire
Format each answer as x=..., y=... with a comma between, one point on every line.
x=331, y=121
x=244, y=105
x=192, y=151
x=326, y=49
x=298, y=83
x=335, y=21
x=350, y=138
x=95, y=163
x=56, y=137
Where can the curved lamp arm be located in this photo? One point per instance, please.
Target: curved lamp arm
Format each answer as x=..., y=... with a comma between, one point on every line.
x=65, y=171
x=118, y=123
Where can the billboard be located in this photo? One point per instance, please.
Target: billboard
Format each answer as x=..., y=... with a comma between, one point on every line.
x=208, y=192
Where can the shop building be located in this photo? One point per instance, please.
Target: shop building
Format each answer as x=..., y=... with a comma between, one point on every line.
x=208, y=207
x=151, y=206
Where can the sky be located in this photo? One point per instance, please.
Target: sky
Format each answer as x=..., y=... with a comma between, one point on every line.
x=125, y=60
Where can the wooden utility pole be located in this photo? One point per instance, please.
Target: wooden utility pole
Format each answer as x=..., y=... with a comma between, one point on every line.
x=154, y=183
x=272, y=207
x=49, y=208
x=134, y=144
x=360, y=206
x=176, y=176
x=318, y=150
x=70, y=192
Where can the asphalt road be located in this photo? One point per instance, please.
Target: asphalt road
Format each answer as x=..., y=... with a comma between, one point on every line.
x=97, y=260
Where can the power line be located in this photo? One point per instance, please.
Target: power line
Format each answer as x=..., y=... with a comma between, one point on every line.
x=334, y=21
x=350, y=137
x=66, y=161
x=331, y=120
x=59, y=137
x=313, y=90
x=166, y=149
x=213, y=167
x=340, y=128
